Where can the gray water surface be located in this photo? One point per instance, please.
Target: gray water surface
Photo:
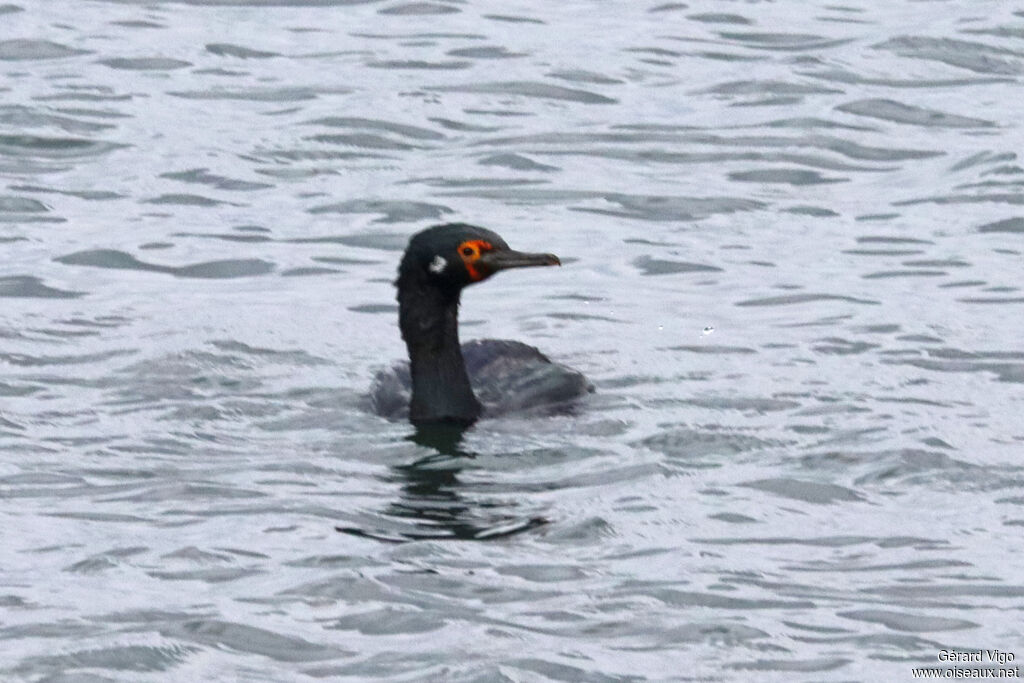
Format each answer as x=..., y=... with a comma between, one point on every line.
x=792, y=239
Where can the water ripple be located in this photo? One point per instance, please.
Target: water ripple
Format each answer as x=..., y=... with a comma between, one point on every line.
x=111, y=258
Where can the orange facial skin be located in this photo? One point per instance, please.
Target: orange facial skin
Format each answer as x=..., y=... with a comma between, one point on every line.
x=470, y=252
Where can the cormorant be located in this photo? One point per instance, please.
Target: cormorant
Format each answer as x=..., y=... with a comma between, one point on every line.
x=453, y=384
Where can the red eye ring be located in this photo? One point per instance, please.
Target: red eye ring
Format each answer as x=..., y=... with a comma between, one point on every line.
x=468, y=251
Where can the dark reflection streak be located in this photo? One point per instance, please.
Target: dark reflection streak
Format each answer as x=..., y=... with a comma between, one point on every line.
x=444, y=438
x=430, y=496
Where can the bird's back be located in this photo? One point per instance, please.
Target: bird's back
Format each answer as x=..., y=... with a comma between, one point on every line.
x=507, y=376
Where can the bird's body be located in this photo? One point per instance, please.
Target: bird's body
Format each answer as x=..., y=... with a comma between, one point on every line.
x=506, y=376
x=445, y=382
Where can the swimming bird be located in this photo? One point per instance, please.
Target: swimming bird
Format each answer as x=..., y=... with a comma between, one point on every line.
x=443, y=381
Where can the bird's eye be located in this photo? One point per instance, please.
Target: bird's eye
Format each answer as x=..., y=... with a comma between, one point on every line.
x=468, y=251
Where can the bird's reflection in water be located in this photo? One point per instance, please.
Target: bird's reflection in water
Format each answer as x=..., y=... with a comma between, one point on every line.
x=432, y=502
x=446, y=439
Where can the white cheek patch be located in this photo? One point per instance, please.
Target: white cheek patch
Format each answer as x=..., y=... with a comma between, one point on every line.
x=438, y=265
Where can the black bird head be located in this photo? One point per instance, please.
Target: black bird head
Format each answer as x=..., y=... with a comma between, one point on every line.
x=455, y=255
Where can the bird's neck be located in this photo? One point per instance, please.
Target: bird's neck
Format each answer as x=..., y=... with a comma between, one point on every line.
x=429, y=320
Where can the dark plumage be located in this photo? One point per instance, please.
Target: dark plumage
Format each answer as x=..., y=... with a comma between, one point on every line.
x=448, y=383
